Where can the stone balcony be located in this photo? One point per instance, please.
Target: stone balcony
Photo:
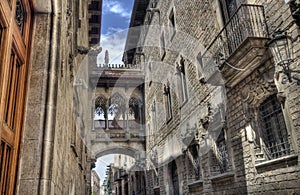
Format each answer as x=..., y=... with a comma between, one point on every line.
x=239, y=47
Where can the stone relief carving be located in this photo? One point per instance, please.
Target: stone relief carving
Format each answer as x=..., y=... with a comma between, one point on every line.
x=255, y=92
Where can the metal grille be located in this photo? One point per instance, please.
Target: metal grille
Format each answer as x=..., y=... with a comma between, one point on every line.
x=194, y=169
x=274, y=128
x=222, y=153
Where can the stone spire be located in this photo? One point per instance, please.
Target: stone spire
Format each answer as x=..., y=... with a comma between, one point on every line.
x=106, y=58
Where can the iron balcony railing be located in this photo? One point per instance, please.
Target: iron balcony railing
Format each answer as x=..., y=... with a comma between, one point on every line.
x=247, y=21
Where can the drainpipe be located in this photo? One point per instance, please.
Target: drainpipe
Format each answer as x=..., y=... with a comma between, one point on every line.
x=44, y=186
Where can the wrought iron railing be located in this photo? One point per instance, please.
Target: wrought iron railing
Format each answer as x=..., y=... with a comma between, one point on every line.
x=247, y=21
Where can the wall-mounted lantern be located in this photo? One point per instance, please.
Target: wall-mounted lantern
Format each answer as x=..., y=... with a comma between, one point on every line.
x=282, y=50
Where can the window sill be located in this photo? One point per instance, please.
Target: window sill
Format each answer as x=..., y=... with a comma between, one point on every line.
x=196, y=183
x=222, y=176
x=156, y=187
x=282, y=162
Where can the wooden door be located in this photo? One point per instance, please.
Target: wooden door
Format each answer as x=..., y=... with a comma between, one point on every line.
x=15, y=27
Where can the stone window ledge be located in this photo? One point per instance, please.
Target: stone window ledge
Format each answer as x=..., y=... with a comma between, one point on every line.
x=156, y=187
x=195, y=183
x=222, y=176
x=282, y=162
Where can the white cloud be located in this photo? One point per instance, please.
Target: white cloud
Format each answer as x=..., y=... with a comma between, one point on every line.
x=113, y=41
x=116, y=8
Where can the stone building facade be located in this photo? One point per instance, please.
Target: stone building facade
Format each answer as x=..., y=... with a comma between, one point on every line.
x=95, y=183
x=219, y=117
x=43, y=147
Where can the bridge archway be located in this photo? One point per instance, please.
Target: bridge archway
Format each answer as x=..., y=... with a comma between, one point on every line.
x=130, y=148
x=126, y=151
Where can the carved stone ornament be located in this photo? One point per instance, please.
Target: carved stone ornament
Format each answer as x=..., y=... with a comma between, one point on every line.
x=255, y=92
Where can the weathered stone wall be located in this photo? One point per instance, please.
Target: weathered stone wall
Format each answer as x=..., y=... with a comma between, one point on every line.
x=202, y=21
x=55, y=158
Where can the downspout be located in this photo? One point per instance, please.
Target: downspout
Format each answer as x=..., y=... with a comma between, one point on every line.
x=44, y=186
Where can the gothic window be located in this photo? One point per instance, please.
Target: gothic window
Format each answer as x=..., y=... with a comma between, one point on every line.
x=168, y=103
x=182, y=81
x=134, y=115
x=193, y=163
x=100, y=114
x=275, y=136
x=116, y=112
x=220, y=160
x=172, y=27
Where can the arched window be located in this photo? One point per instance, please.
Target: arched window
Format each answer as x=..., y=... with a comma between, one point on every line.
x=134, y=114
x=274, y=132
x=100, y=114
x=168, y=104
x=116, y=112
x=182, y=81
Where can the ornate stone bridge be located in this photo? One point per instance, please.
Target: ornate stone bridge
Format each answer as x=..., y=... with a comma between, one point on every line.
x=118, y=99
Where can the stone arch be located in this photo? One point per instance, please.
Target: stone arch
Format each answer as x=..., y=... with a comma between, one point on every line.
x=101, y=104
x=117, y=150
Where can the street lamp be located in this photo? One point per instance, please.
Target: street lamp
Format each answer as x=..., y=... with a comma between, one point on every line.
x=281, y=48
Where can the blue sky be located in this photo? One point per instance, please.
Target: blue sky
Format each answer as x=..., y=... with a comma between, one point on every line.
x=115, y=22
